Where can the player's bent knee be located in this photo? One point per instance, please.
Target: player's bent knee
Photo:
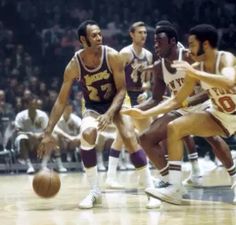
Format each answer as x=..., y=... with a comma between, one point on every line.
x=90, y=135
x=88, y=138
x=173, y=129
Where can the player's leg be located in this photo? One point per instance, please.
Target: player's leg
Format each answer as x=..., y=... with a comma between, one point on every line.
x=152, y=142
x=23, y=146
x=89, y=157
x=195, y=177
x=113, y=161
x=137, y=154
x=100, y=144
x=222, y=152
x=177, y=129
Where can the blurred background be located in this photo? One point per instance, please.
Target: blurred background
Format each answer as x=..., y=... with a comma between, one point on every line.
x=38, y=38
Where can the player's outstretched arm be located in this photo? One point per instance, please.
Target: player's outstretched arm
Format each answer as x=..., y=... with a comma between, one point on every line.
x=48, y=143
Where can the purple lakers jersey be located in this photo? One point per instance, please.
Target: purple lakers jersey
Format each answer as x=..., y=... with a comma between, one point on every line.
x=134, y=80
x=97, y=84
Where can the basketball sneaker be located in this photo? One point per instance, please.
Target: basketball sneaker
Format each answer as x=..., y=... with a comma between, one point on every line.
x=101, y=167
x=233, y=187
x=91, y=199
x=158, y=183
x=30, y=170
x=153, y=203
x=113, y=184
x=170, y=194
x=60, y=168
x=193, y=181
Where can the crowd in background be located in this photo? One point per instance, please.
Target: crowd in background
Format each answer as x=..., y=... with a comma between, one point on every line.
x=37, y=38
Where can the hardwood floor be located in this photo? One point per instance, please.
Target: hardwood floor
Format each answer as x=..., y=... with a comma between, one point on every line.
x=20, y=206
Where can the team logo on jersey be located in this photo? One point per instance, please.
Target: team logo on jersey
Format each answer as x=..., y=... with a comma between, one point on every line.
x=91, y=78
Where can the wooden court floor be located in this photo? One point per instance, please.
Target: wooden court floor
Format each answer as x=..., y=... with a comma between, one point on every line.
x=20, y=206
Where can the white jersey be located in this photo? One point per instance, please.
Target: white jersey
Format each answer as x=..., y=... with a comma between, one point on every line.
x=24, y=123
x=221, y=99
x=223, y=102
x=174, y=81
x=71, y=126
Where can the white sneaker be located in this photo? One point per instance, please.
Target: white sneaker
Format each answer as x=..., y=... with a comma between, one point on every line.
x=68, y=157
x=193, y=181
x=112, y=184
x=21, y=161
x=234, y=190
x=130, y=166
x=153, y=203
x=61, y=169
x=101, y=167
x=121, y=165
x=30, y=170
x=170, y=194
x=158, y=183
x=91, y=199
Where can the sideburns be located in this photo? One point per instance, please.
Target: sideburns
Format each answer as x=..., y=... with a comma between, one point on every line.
x=87, y=41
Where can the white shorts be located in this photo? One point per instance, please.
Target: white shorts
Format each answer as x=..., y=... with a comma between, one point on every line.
x=33, y=141
x=196, y=108
x=18, y=140
x=226, y=121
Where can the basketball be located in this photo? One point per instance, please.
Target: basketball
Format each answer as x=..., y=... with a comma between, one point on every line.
x=46, y=183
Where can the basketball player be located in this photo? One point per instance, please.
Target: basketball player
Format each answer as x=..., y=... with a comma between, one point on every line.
x=135, y=57
x=100, y=70
x=166, y=76
x=30, y=124
x=216, y=71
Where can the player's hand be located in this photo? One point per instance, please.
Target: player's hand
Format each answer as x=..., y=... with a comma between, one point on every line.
x=47, y=145
x=135, y=113
x=142, y=97
x=103, y=121
x=182, y=65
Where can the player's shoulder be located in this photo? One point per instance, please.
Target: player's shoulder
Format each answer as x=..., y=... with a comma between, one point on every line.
x=127, y=49
x=72, y=69
x=149, y=55
x=228, y=58
x=113, y=55
x=110, y=50
x=147, y=51
x=22, y=114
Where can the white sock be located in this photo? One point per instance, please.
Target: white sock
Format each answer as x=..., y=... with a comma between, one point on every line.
x=92, y=176
x=145, y=176
x=28, y=162
x=175, y=173
x=193, y=158
x=164, y=172
x=112, y=167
